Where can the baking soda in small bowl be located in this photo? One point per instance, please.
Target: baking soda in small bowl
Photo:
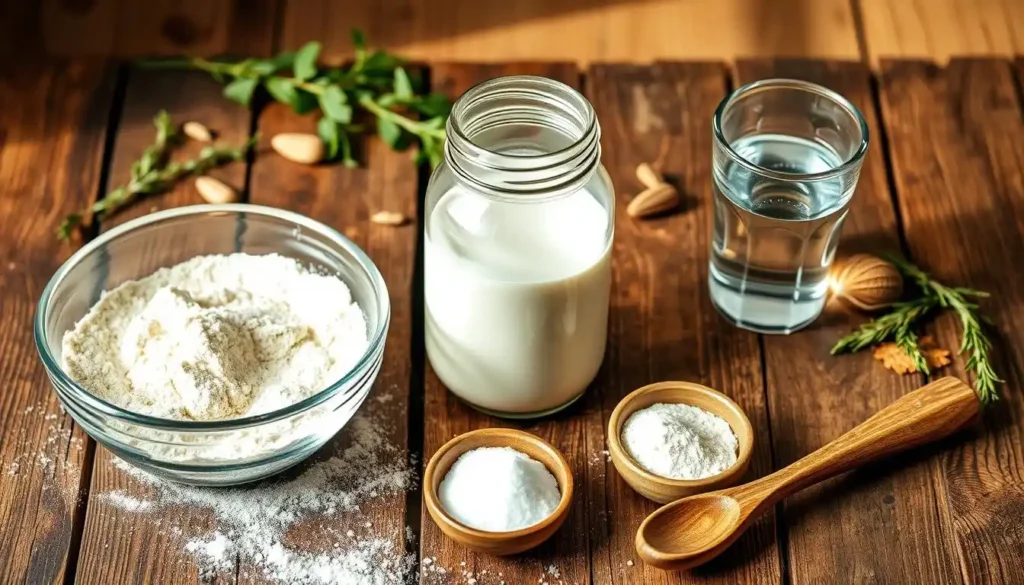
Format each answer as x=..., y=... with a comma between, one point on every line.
x=679, y=441
x=498, y=489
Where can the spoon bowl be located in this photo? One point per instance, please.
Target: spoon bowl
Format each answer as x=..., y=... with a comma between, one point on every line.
x=693, y=530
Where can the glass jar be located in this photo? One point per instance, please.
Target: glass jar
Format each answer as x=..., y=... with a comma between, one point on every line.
x=517, y=262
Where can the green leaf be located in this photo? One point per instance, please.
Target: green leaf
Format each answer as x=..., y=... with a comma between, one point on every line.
x=284, y=91
x=403, y=86
x=306, y=102
x=332, y=102
x=66, y=227
x=381, y=62
x=305, y=61
x=136, y=170
x=264, y=67
x=164, y=127
x=241, y=89
x=346, y=151
x=434, y=123
x=387, y=100
x=328, y=131
x=358, y=39
x=435, y=104
x=144, y=165
x=390, y=132
x=283, y=60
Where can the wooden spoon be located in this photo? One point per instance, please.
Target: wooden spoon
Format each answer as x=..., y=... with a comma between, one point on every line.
x=693, y=530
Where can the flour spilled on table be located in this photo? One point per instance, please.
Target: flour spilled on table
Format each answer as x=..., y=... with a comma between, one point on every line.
x=252, y=523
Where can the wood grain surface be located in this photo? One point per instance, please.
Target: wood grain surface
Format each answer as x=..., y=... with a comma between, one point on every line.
x=577, y=433
x=943, y=182
x=879, y=520
x=52, y=131
x=941, y=29
x=120, y=546
x=581, y=31
x=153, y=27
x=662, y=325
x=958, y=168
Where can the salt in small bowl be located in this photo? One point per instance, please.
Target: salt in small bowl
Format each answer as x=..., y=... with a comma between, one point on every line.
x=497, y=543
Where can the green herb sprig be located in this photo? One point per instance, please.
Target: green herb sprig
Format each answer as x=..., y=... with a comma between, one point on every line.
x=898, y=324
x=152, y=173
x=375, y=83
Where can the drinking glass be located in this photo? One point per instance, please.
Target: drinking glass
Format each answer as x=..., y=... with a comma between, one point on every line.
x=787, y=155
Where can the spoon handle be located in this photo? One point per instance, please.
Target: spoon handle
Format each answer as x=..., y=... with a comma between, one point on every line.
x=926, y=414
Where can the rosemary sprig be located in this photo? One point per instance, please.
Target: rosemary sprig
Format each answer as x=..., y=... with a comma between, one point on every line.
x=897, y=325
x=152, y=173
x=375, y=83
x=974, y=343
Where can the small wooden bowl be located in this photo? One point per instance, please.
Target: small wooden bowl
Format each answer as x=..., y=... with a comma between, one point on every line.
x=497, y=543
x=662, y=489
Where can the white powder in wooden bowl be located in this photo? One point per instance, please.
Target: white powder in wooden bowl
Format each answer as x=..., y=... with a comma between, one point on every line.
x=498, y=489
x=679, y=441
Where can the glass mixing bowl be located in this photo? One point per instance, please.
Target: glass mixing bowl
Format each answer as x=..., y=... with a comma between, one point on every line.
x=222, y=452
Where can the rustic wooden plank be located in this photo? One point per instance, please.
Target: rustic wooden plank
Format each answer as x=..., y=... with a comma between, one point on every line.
x=577, y=433
x=958, y=168
x=580, y=31
x=880, y=521
x=663, y=325
x=345, y=199
x=53, y=123
x=155, y=27
x=117, y=542
x=940, y=29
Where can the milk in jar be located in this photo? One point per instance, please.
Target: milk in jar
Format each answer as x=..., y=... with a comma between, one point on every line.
x=517, y=267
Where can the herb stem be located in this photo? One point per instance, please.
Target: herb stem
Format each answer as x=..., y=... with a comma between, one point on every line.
x=402, y=121
x=898, y=325
x=375, y=83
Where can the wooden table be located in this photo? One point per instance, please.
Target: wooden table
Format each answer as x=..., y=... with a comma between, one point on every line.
x=943, y=183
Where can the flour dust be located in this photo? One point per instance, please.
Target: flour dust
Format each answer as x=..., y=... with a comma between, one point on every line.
x=257, y=524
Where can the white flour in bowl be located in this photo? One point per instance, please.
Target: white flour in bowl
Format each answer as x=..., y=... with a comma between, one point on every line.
x=217, y=337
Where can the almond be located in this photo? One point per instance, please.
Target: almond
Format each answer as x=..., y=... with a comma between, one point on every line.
x=868, y=282
x=214, y=191
x=197, y=131
x=388, y=218
x=653, y=201
x=301, y=148
x=648, y=176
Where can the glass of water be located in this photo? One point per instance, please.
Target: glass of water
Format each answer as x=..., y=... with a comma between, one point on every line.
x=787, y=155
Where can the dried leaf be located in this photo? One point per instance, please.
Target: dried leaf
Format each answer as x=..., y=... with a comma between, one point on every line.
x=935, y=356
x=894, y=358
